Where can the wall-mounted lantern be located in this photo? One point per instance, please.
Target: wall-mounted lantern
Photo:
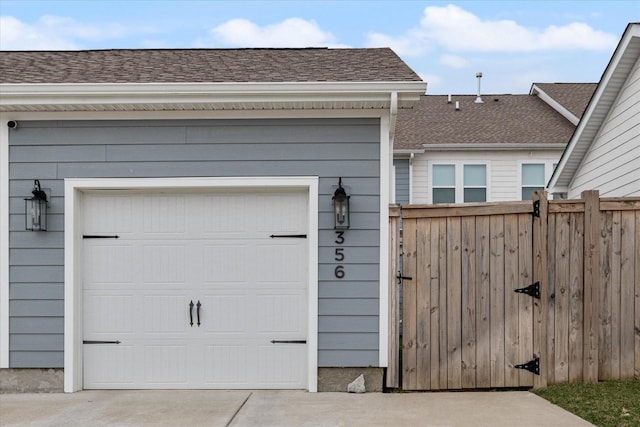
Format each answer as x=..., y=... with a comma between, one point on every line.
x=341, y=207
x=36, y=209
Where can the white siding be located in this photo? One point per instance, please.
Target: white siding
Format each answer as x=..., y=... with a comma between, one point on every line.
x=503, y=167
x=612, y=163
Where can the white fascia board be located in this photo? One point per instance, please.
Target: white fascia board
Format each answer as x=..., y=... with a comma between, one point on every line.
x=22, y=94
x=535, y=90
x=406, y=153
x=484, y=147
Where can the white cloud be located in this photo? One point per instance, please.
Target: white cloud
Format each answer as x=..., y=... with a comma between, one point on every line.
x=292, y=32
x=57, y=33
x=458, y=30
x=454, y=61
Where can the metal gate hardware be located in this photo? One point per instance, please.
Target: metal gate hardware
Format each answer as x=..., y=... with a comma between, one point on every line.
x=288, y=342
x=531, y=290
x=531, y=366
x=93, y=236
x=536, y=208
x=400, y=277
x=100, y=342
x=292, y=236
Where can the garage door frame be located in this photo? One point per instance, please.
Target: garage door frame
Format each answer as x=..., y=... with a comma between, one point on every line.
x=74, y=188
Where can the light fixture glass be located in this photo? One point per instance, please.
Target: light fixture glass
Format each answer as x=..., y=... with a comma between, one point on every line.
x=341, y=207
x=36, y=209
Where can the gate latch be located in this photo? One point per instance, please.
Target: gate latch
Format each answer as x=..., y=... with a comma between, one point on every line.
x=536, y=209
x=531, y=290
x=531, y=366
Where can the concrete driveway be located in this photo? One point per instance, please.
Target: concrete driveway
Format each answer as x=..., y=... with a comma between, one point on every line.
x=281, y=408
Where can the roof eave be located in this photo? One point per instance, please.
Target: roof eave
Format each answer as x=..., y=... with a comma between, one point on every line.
x=494, y=146
x=197, y=96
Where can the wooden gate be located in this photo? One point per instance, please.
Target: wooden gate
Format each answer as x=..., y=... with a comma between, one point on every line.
x=467, y=322
x=465, y=326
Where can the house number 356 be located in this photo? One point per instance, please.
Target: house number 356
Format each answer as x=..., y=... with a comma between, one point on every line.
x=339, y=255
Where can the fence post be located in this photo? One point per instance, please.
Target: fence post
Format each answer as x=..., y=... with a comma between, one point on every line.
x=591, y=290
x=393, y=370
x=540, y=250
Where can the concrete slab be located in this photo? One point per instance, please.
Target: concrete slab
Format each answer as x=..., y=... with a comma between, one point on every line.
x=281, y=408
x=495, y=409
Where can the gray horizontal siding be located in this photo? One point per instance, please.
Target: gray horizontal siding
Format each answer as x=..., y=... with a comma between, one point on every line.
x=329, y=148
x=402, y=181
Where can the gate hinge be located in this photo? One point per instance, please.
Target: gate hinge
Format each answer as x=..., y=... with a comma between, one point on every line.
x=531, y=290
x=532, y=366
x=400, y=278
x=536, y=208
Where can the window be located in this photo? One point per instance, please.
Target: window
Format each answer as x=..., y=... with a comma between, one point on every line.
x=458, y=183
x=534, y=177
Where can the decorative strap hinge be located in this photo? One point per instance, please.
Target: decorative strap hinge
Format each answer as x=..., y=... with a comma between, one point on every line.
x=532, y=366
x=531, y=290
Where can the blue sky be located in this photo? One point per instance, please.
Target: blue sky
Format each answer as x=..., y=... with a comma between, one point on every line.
x=514, y=43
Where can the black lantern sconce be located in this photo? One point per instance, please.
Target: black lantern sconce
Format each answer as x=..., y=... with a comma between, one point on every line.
x=341, y=207
x=36, y=209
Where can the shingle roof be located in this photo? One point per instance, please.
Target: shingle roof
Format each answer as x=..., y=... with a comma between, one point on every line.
x=501, y=119
x=572, y=96
x=204, y=65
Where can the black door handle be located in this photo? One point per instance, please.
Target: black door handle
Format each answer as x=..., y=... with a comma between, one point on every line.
x=191, y=313
x=198, y=311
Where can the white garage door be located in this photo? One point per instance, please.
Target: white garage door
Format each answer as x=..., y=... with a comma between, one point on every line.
x=194, y=292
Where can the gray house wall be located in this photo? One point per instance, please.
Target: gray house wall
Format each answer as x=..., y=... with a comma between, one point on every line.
x=402, y=181
x=51, y=151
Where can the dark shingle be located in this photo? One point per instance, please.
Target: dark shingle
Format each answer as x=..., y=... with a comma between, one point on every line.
x=501, y=119
x=204, y=65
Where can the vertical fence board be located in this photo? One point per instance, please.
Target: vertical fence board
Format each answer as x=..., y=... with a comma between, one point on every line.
x=627, y=272
x=483, y=343
x=496, y=319
x=393, y=374
x=576, y=308
x=423, y=295
x=540, y=260
x=562, y=298
x=442, y=267
x=436, y=309
x=615, y=296
x=511, y=309
x=409, y=361
x=591, y=285
x=525, y=303
x=469, y=302
x=454, y=303
x=550, y=296
x=605, y=294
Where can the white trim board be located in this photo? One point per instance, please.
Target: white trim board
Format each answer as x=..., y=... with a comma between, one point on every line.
x=74, y=188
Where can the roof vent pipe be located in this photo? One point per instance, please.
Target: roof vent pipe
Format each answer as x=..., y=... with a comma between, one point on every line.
x=478, y=98
x=457, y=105
x=449, y=99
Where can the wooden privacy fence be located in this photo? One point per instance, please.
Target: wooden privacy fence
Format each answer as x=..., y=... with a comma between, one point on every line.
x=515, y=294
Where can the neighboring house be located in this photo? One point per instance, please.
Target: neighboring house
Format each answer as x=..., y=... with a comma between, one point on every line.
x=190, y=239
x=604, y=152
x=452, y=149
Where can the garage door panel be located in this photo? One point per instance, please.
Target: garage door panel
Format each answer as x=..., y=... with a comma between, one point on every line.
x=108, y=214
x=164, y=214
x=217, y=219
x=280, y=213
x=281, y=365
x=164, y=314
x=112, y=366
x=164, y=264
x=224, y=314
x=165, y=364
x=225, y=263
x=226, y=365
x=111, y=264
x=280, y=316
x=109, y=313
x=278, y=263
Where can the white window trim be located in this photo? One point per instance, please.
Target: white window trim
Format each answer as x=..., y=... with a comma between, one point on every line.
x=459, y=171
x=74, y=188
x=548, y=171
